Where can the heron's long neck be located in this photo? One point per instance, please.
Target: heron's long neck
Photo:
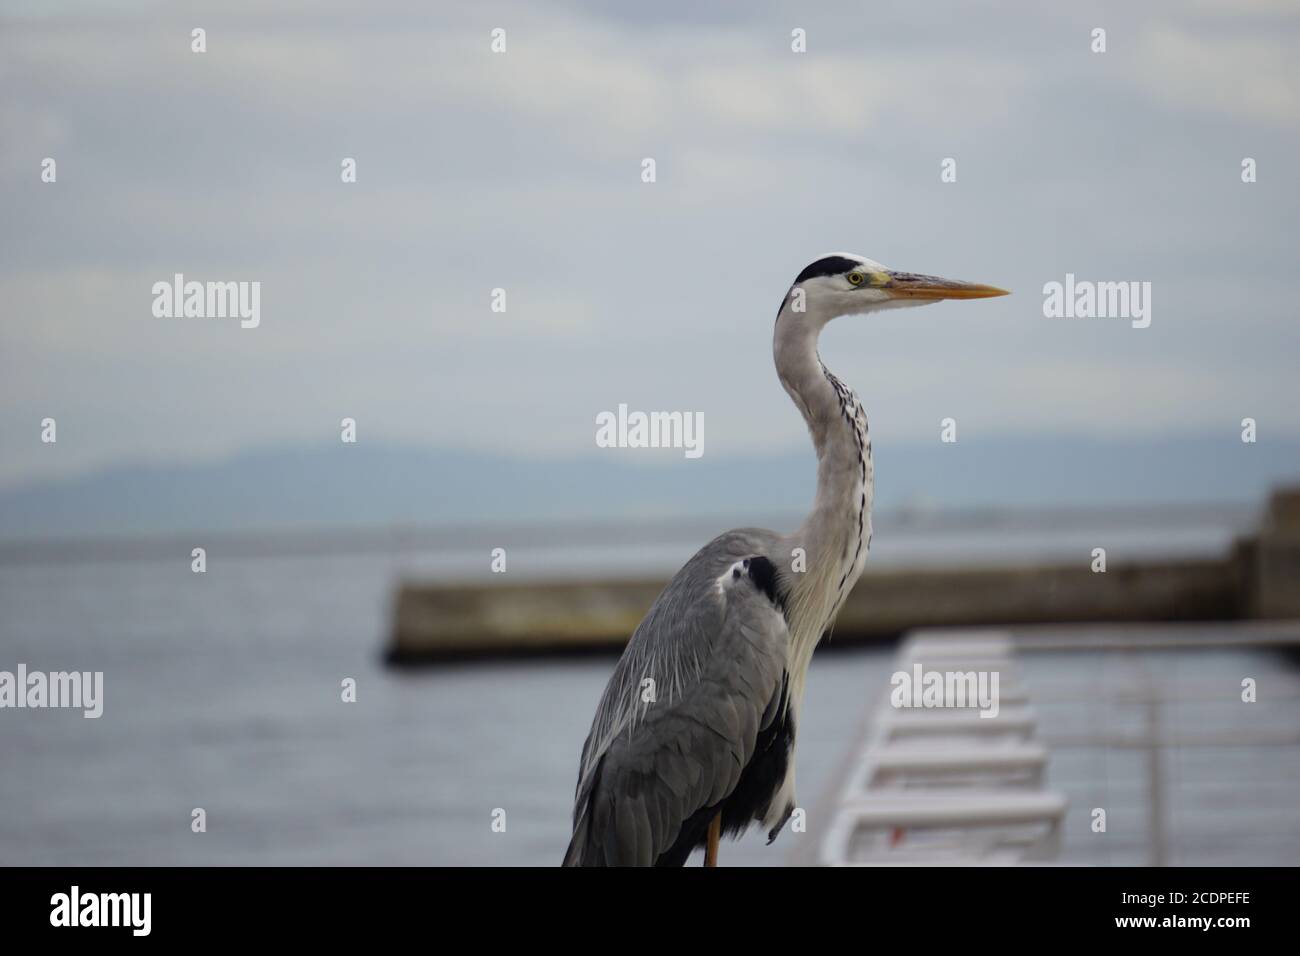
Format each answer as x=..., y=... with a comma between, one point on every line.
x=837, y=533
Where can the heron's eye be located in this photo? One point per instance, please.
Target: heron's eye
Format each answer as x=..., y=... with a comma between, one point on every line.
x=855, y=278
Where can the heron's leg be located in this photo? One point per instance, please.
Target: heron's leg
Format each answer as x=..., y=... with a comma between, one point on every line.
x=715, y=835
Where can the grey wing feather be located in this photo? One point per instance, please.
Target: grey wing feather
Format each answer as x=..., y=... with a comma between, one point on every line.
x=716, y=656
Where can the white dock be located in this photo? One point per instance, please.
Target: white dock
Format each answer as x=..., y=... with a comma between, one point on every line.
x=1146, y=723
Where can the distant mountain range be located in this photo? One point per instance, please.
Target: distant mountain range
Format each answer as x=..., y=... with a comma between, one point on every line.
x=366, y=485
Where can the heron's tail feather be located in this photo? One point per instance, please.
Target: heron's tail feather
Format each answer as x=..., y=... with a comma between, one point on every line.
x=582, y=851
x=579, y=852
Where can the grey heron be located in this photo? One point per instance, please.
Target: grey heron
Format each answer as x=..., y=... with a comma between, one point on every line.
x=728, y=642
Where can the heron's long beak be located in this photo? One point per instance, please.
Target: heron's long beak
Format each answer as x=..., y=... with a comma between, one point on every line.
x=908, y=285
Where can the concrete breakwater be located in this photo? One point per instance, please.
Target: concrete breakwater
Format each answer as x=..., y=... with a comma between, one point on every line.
x=1259, y=577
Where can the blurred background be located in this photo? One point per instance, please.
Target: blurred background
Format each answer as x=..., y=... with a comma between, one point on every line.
x=475, y=429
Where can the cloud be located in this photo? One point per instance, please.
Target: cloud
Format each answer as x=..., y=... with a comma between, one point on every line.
x=521, y=171
x=1250, y=78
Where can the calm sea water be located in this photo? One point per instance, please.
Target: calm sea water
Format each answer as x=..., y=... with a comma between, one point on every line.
x=223, y=691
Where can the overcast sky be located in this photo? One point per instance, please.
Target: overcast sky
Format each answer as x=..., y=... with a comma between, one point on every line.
x=522, y=170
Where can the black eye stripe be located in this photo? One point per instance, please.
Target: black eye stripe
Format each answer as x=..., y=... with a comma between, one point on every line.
x=830, y=266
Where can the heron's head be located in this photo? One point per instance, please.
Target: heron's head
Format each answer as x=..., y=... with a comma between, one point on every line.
x=845, y=284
